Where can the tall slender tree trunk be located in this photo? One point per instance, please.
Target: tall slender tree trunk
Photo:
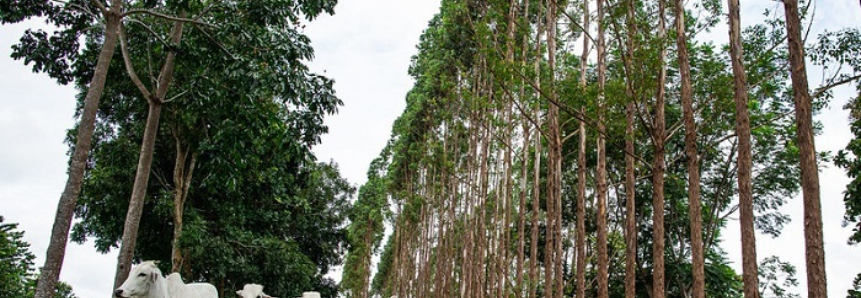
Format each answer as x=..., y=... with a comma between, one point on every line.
x=394, y=282
x=815, y=253
x=448, y=249
x=553, y=232
x=521, y=225
x=536, y=196
x=472, y=157
x=692, y=155
x=742, y=128
x=56, y=252
x=135, y=211
x=581, y=211
x=521, y=229
x=368, y=240
x=581, y=168
x=182, y=173
x=658, y=166
x=504, y=266
x=601, y=175
x=536, y=175
x=133, y=216
x=480, y=260
x=630, y=192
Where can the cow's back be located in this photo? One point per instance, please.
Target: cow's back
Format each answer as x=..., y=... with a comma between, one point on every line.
x=179, y=289
x=202, y=290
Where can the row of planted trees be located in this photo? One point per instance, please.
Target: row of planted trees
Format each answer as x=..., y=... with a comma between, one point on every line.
x=214, y=101
x=593, y=149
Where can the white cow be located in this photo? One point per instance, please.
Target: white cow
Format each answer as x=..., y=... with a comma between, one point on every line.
x=253, y=291
x=311, y=295
x=256, y=291
x=146, y=281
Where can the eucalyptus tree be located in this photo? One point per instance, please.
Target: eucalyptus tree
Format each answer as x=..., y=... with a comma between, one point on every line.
x=658, y=163
x=581, y=167
x=461, y=99
x=601, y=170
x=691, y=154
x=553, y=231
x=366, y=230
x=742, y=122
x=814, y=247
x=536, y=177
x=630, y=175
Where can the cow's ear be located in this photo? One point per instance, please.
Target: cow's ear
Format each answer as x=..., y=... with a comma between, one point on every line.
x=239, y=292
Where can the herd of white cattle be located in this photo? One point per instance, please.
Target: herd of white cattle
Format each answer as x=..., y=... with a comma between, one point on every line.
x=146, y=281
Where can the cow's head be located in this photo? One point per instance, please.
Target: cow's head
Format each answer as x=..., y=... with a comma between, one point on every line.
x=140, y=279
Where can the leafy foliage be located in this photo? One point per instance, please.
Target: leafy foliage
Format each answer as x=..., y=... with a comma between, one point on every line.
x=776, y=278
x=53, y=53
x=838, y=47
x=17, y=278
x=848, y=160
x=16, y=261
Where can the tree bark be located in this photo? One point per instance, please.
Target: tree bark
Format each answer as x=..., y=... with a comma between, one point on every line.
x=694, y=207
x=133, y=216
x=658, y=166
x=536, y=196
x=182, y=173
x=521, y=229
x=815, y=253
x=135, y=211
x=504, y=266
x=630, y=192
x=56, y=251
x=581, y=169
x=553, y=232
x=521, y=225
x=742, y=128
x=601, y=175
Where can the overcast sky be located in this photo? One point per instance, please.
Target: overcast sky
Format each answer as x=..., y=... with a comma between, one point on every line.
x=366, y=49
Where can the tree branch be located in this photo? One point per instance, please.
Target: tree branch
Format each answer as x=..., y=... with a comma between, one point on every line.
x=823, y=89
x=167, y=17
x=165, y=76
x=213, y=40
x=571, y=19
x=176, y=96
x=83, y=9
x=576, y=114
x=150, y=30
x=128, y=62
x=101, y=6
